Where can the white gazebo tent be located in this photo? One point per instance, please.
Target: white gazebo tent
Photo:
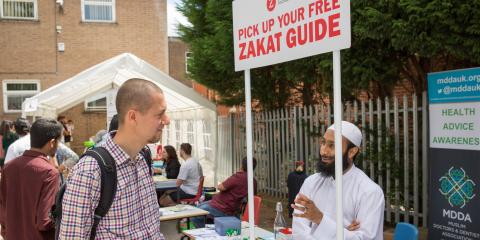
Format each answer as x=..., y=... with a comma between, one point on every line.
x=193, y=117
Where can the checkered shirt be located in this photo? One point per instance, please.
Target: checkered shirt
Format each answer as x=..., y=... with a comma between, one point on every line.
x=134, y=213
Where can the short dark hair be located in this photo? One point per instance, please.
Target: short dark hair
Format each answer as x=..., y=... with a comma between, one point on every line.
x=186, y=148
x=113, y=123
x=136, y=93
x=43, y=130
x=22, y=126
x=244, y=163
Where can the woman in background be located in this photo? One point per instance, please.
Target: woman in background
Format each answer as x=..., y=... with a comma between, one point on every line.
x=172, y=165
x=8, y=137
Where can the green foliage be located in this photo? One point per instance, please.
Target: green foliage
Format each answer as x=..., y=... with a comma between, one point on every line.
x=392, y=41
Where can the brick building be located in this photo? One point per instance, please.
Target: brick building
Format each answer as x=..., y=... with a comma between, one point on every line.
x=178, y=53
x=43, y=43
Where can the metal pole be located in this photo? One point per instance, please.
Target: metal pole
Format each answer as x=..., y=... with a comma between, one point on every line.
x=248, y=108
x=337, y=105
x=217, y=152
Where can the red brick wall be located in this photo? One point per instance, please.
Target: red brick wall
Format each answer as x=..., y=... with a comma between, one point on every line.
x=28, y=49
x=176, y=55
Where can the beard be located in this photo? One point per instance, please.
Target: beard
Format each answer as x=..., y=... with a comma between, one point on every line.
x=328, y=169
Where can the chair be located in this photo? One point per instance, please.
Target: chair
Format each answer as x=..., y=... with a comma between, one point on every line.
x=192, y=201
x=257, y=202
x=405, y=231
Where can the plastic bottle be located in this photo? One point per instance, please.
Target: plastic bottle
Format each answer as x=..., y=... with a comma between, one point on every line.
x=280, y=222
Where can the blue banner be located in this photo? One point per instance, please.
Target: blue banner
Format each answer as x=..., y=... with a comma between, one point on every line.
x=454, y=86
x=454, y=156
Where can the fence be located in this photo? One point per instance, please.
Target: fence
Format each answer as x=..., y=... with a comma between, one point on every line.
x=394, y=152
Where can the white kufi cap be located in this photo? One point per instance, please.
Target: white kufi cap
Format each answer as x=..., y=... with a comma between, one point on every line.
x=350, y=132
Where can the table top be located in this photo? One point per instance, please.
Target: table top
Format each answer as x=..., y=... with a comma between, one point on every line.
x=180, y=211
x=162, y=183
x=209, y=233
x=161, y=178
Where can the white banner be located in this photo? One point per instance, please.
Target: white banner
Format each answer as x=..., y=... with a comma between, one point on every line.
x=455, y=125
x=267, y=32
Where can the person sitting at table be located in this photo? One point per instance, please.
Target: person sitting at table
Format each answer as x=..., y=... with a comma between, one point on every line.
x=188, y=178
x=229, y=200
x=171, y=163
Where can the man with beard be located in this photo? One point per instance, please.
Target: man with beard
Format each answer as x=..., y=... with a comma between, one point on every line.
x=134, y=212
x=363, y=200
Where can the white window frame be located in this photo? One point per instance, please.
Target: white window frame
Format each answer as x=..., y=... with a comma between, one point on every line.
x=35, y=10
x=207, y=139
x=190, y=131
x=7, y=93
x=186, y=61
x=166, y=133
x=93, y=2
x=178, y=134
x=95, y=98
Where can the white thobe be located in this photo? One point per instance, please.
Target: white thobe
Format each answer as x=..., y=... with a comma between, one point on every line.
x=363, y=201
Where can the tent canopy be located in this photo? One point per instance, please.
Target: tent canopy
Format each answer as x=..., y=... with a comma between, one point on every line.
x=107, y=75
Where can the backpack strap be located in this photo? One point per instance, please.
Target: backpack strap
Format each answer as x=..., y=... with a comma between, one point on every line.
x=147, y=154
x=56, y=211
x=108, y=173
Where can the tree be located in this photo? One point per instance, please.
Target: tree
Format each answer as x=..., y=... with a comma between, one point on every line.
x=392, y=41
x=414, y=37
x=212, y=64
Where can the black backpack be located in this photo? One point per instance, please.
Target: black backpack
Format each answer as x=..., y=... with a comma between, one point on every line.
x=108, y=187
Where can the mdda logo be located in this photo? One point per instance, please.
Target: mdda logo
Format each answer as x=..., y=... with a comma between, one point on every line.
x=271, y=4
x=457, y=187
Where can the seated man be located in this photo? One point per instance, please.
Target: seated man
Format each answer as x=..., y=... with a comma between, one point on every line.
x=232, y=192
x=188, y=178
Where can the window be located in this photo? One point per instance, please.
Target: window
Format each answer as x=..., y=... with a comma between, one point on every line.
x=19, y=9
x=190, y=132
x=207, y=140
x=96, y=103
x=178, y=134
x=188, y=55
x=16, y=91
x=166, y=134
x=98, y=10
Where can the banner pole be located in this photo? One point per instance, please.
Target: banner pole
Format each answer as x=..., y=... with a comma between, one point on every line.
x=337, y=106
x=248, y=109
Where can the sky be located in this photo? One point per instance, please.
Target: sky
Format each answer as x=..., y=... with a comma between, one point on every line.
x=174, y=17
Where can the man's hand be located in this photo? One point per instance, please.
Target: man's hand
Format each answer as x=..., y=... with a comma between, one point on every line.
x=310, y=211
x=355, y=225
